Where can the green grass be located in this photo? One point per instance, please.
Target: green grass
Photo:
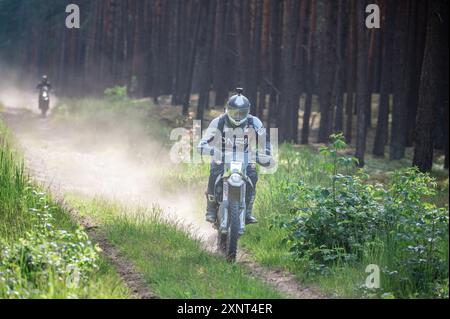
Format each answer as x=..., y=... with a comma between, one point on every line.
x=20, y=199
x=174, y=264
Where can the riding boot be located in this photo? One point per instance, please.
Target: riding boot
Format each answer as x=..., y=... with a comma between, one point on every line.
x=211, y=208
x=249, y=218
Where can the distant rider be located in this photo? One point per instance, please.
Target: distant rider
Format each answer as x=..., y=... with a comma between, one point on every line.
x=237, y=115
x=44, y=82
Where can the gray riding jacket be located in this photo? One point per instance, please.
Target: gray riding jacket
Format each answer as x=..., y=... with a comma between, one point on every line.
x=246, y=143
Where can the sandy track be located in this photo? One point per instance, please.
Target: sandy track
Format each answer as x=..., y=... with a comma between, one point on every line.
x=67, y=160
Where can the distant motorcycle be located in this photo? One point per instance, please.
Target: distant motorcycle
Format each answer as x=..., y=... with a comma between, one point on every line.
x=44, y=100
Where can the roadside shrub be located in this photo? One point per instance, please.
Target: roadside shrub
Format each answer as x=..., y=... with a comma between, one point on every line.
x=334, y=224
x=116, y=93
x=330, y=223
x=418, y=229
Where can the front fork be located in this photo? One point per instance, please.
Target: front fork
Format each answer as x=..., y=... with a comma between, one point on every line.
x=224, y=214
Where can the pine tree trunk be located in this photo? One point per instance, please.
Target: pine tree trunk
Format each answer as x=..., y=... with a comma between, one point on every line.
x=197, y=15
x=400, y=110
x=288, y=103
x=381, y=135
x=309, y=72
x=362, y=90
x=327, y=68
x=206, y=76
x=276, y=20
x=433, y=71
x=339, y=83
x=413, y=71
x=351, y=72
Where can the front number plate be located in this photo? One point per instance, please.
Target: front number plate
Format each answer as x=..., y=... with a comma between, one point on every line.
x=236, y=167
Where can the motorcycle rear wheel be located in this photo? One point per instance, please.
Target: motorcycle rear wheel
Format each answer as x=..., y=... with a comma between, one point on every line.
x=222, y=242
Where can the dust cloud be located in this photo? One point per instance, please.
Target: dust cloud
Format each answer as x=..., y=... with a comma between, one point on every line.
x=116, y=165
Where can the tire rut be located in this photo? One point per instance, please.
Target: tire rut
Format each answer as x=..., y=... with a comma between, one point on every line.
x=132, y=279
x=282, y=280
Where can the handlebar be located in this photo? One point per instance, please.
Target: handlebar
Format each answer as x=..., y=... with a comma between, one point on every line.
x=261, y=158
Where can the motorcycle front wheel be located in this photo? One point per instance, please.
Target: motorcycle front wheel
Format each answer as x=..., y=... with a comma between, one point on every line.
x=43, y=106
x=234, y=226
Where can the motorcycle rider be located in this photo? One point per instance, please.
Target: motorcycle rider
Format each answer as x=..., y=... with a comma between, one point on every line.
x=44, y=82
x=237, y=115
x=44, y=99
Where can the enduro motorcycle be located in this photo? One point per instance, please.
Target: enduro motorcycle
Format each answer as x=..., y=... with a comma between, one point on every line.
x=44, y=100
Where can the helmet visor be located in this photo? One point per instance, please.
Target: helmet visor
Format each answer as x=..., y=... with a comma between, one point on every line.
x=238, y=114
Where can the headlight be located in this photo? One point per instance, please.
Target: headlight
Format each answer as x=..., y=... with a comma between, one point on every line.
x=235, y=180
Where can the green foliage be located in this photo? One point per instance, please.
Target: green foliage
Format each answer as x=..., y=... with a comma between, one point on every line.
x=13, y=187
x=332, y=222
x=340, y=222
x=116, y=93
x=418, y=229
x=45, y=255
x=441, y=289
x=134, y=84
